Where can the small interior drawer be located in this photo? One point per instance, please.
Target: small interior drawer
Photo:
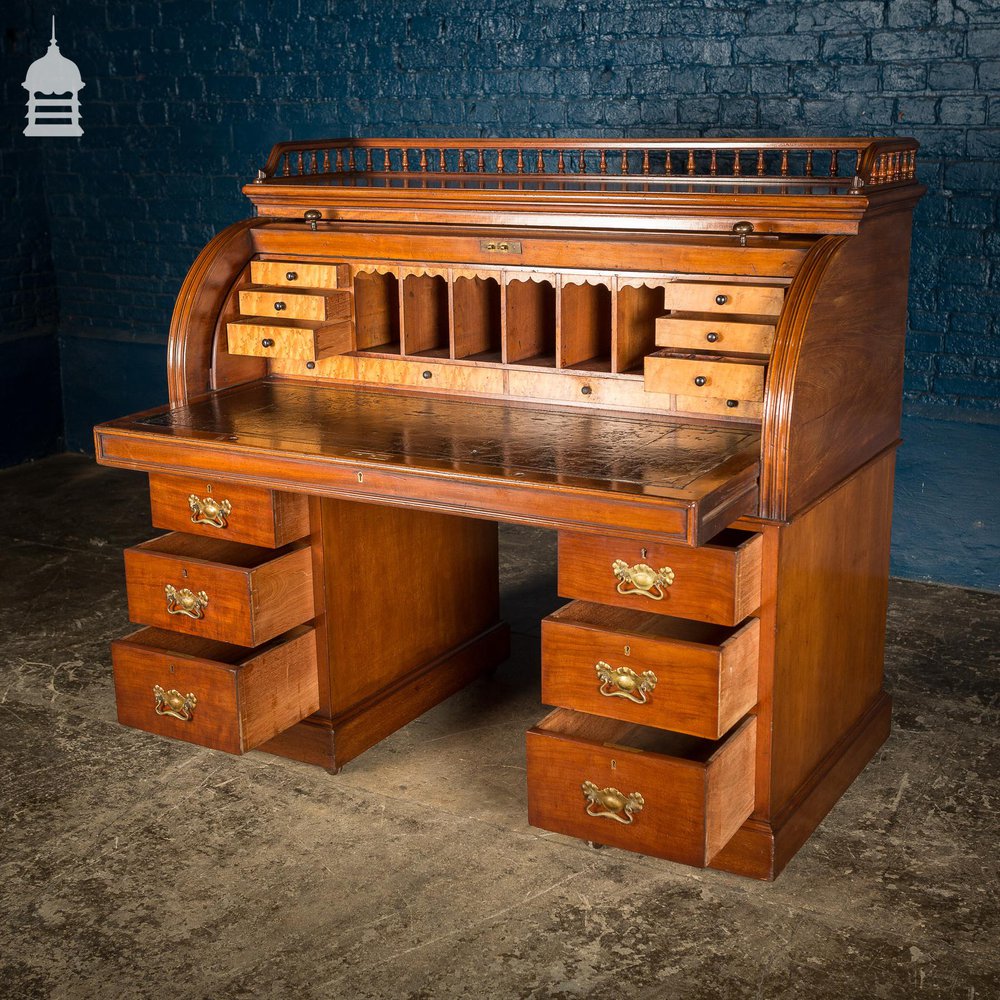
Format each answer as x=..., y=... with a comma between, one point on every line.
x=219, y=509
x=298, y=274
x=717, y=582
x=707, y=376
x=700, y=332
x=641, y=789
x=212, y=693
x=720, y=297
x=241, y=594
x=687, y=676
x=302, y=340
x=315, y=305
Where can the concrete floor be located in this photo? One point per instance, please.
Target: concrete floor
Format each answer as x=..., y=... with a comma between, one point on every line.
x=132, y=866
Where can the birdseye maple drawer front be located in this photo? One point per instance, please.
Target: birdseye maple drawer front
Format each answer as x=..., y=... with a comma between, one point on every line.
x=717, y=582
x=312, y=305
x=690, y=677
x=714, y=377
x=719, y=297
x=219, y=509
x=298, y=274
x=641, y=789
x=242, y=594
x=212, y=693
x=302, y=340
x=707, y=333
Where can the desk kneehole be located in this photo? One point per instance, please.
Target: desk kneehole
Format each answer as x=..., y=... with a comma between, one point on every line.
x=212, y=693
x=241, y=594
x=641, y=789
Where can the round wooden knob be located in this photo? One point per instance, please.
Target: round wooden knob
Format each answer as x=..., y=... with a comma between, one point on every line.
x=721, y=300
x=700, y=380
x=267, y=342
x=712, y=338
x=278, y=306
x=291, y=276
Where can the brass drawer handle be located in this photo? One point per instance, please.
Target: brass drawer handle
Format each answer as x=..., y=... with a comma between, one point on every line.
x=209, y=511
x=174, y=704
x=642, y=579
x=624, y=682
x=185, y=602
x=609, y=803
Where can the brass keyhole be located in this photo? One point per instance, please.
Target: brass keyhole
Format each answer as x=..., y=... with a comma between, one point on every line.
x=614, y=764
x=644, y=553
x=361, y=477
x=628, y=650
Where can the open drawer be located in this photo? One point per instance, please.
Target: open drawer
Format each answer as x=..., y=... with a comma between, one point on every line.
x=241, y=594
x=212, y=693
x=641, y=789
x=686, y=676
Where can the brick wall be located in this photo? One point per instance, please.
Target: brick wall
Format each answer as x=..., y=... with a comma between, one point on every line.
x=183, y=100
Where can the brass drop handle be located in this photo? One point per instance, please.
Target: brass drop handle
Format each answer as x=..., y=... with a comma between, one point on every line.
x=642, y=579
x=609, y=803
x=185, y=602
x=173, y=703
x=743, y=230
x=291, y=276
x=279, y=306
x=624, y=682
x=209, y=511
x=312, y=217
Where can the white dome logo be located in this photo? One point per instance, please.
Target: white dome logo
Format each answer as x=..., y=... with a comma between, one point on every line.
x=53, y=84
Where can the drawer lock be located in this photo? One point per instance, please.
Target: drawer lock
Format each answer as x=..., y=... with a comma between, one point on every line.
x=209, y=511
x=173, y=703
x=609, y=803
x=624, y=682
x=185, y=602
x=642, y=579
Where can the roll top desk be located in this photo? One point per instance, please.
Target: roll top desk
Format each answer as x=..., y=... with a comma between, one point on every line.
x=683, y=356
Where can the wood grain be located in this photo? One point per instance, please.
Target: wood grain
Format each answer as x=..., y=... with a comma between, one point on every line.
x=697, y=793
x=721, y=297
x=292, y=339
x=706, y=674
x=718, y=582
x=720, y=378
x=317, y=306
x=258, y=517
x=254, y=594
x=307, y=275
x=693, y=332
x=244, y=697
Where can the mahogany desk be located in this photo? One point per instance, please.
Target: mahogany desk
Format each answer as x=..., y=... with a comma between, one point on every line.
x=684, y=356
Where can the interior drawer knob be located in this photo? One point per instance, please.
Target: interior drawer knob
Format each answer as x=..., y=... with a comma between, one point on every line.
x=173, y=703
x=624, y=682
x=291, y=275
x=609, y=803
x=721, y=300
x=700, y=380
x=642, y=579
x=279, y=306
x=712, y=338
x=267, y=342
x=185, y=602
x=209, y=511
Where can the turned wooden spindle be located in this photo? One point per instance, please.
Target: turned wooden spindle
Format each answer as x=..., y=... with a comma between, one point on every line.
x=760, y=162
x=690, y=163
x=645, y=162
x=784, y=163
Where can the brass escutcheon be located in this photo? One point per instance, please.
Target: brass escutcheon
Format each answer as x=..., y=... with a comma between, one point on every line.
x=185, y=602
x=609, y=803
x=209, y=511
x=642, y=579
x=624, y=682
x=173, y=703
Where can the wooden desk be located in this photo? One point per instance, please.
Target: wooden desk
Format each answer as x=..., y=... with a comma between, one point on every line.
x=685, y=357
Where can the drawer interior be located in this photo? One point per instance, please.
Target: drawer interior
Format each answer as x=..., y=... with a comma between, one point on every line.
x=196, y=647
x=607, y=618
x=215, y=550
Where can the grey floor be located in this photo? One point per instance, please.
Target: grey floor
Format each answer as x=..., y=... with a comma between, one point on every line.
x=132, y=866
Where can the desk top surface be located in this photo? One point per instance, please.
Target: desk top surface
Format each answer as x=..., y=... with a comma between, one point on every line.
x=495, y=443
